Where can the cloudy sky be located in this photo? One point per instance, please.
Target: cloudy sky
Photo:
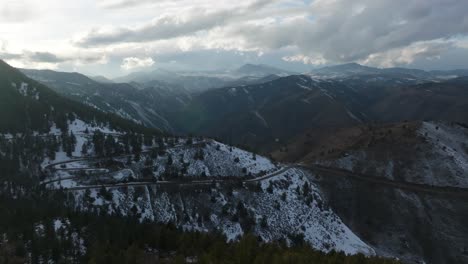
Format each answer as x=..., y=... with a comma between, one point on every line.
x=115, y=37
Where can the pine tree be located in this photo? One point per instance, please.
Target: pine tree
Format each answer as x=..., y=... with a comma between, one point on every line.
x=98, y=142
x=84, y=149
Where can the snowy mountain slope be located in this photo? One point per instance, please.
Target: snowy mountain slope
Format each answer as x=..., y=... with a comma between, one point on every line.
x=83, y=132
x=221, y=160
x=438, y=156
x=414, y=226
x=269, y=200
x=278, y=208
x=149, y=104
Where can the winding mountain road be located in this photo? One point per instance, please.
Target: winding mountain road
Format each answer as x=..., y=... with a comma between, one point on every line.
x=48, y=166
x=178, y=183
x=380, y=181
x=448, y=191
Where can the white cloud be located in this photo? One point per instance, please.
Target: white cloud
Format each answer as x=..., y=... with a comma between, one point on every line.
x=172, y=25
x=311, y=60
x=135, y=63
x=426, y=50
x=116, y=4
x=386, y=32
x=17, y=11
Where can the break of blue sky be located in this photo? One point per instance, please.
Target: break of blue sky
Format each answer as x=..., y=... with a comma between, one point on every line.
x=114, y=37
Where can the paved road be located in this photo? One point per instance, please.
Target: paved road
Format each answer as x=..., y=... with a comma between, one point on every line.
x=330, y=171
x=177, y=183
x=48, y=166
x=408, y=186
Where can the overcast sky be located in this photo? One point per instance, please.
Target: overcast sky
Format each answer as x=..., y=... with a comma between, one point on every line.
x=115, y=37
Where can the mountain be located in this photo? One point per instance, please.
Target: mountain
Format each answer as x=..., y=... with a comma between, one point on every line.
x=446, y=100
x=146, y=76
x=261, y=114
x=28, y=105
x=354, y=69
x=149, y=104
x=196, y=82
x=207, y=186
x=403, y=185
x=260, y=70
x=265, y=112
x=344, y=70
x=101, y=79
x=268, y=114
x=193, y=82
x=152, y=103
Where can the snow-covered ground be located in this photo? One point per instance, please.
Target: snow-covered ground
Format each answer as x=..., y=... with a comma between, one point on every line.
x=282, y=201
x=277, y=207
x=78, y=128
x=447, y=161
x=218, y=160
x=320, y=226
x=440, y=158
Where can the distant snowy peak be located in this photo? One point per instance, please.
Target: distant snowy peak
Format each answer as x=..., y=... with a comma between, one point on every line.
x=355, y=69
x=101, y=79
x=260, y=70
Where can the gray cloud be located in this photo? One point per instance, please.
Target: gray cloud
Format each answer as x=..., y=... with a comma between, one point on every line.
x=170, y=26
x=339, y=35
x=4, y=54
x=127, y=3
x=47, y=57
x=44, y=57
x=430, y=50
x=337, y=31
x=205, y=33
x=9, y=56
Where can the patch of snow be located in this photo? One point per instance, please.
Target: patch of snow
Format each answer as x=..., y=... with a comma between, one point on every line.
x=264, y=122
x=353, y=116
x=304, y=87
x=123, y=174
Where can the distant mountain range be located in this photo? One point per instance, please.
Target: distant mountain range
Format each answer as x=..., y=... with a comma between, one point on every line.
x=353, y=69
x=144, y=100
x=101, y=79
x=202, y=81
x=267, y=111
x=260, y=70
